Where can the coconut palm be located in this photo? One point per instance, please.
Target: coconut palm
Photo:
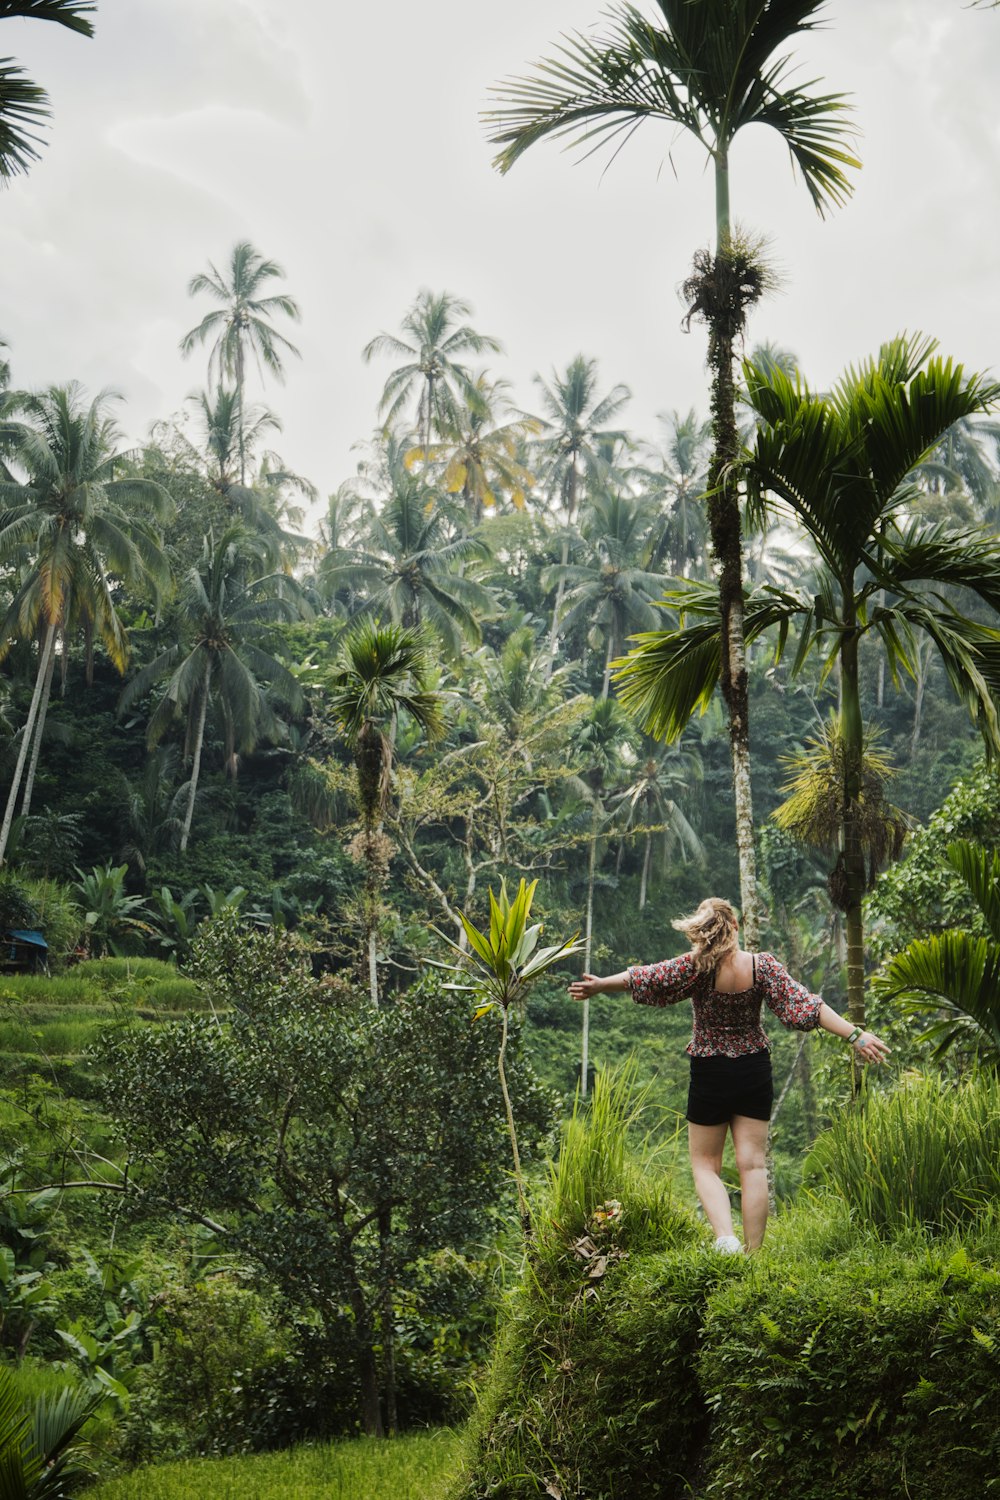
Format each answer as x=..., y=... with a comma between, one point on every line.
x=381, y=673
x=224, y=608
x=575, y=443
x=232, y=439
x=839, y=464
x=242, y=325
x=675, y=478
x=608, y=593
x=73, y=532
x=24, y=107
x=409, y=565
x=648, y=805
x=575, y=448
x=710, y=68
x=431, y=376
x=480, y=454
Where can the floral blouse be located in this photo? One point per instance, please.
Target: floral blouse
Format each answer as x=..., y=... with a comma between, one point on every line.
x=727, y=1024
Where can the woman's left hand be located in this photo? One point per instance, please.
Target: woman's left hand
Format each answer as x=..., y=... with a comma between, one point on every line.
x=871, y=1048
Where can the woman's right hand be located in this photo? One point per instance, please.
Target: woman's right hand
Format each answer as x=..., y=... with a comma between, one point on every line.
x=585, y=986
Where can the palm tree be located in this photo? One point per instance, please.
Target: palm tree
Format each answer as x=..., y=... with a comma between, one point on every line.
x=649, y=805
x=231, y=441
x=242, y=325
x=73, y=532
x=839, y=464
x=575, y=440
x=24, y=107
x=409, y=567
x=710, y=68
x=481, y=454
x=575, y=446
x=381, y=672
x=431, y=349
x=954, y=976
x=677, y=479
x=608, y=592
x=225, y=607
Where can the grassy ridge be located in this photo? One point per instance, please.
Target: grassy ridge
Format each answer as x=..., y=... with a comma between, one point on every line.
x=416, y=1467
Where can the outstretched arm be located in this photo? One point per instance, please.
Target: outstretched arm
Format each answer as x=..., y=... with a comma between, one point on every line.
x=865, y=1043
x=593, y=984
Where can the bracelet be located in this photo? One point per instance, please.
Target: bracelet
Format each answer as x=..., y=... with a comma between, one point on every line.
x=858, y=1031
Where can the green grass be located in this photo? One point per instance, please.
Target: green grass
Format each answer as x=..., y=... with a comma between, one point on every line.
x=147, y=984
x=415, y=1467
x=928, y=1153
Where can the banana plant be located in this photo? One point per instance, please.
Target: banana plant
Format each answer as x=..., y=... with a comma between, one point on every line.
x=505, y=960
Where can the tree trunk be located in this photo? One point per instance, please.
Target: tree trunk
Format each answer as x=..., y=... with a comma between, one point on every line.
x=199, y=741
x=853, y=879
x=241, y=434
x=43, y=708
x=36, y=697
x=587, y=944
x=388, y=1313
x=372, y=956
x=522, y=1202
x=724, y=522
x=554, y=632
x=371, y=1409
x=646, y=861
x=608, y=657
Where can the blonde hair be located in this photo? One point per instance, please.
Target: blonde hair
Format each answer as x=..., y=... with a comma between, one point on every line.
x=712, y=930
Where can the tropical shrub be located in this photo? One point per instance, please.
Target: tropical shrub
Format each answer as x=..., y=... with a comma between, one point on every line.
x=215, y=1383
x=873, y=1375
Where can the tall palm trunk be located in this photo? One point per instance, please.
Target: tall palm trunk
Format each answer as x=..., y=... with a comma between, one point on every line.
x=608, y=658
x=43, y=707
x=853, y=879
x=587, y=944
x=36, y=698
x=241, y=428
x=522, y=1200
x=724, y=522
x=199, y=740
x=647, y=859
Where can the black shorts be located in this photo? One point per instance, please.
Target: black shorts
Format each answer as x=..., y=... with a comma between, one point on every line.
x=725, y=1086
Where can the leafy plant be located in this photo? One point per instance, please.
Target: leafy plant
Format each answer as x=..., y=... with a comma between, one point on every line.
x=42, y=1456
x=954, y=976
x=113, y=918
x=505, y=960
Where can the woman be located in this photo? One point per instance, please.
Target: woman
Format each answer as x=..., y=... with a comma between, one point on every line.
x=731, y=1086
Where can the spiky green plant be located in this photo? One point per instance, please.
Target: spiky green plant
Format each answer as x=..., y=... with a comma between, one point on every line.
x=505, y=960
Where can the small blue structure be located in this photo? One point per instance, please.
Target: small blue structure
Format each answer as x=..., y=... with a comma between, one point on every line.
x=23, y=951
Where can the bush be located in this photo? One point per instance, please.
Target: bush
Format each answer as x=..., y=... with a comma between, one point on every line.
x=16, y=906
x=876, y=1376
x=213, y=1385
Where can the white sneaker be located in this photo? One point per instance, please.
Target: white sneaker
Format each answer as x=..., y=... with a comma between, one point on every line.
x=728, y=1244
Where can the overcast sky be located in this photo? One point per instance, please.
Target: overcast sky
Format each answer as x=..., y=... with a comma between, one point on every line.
x=344, y=141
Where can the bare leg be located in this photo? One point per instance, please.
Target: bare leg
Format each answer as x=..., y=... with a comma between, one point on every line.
x=705, y=1143
x=750, y=1145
